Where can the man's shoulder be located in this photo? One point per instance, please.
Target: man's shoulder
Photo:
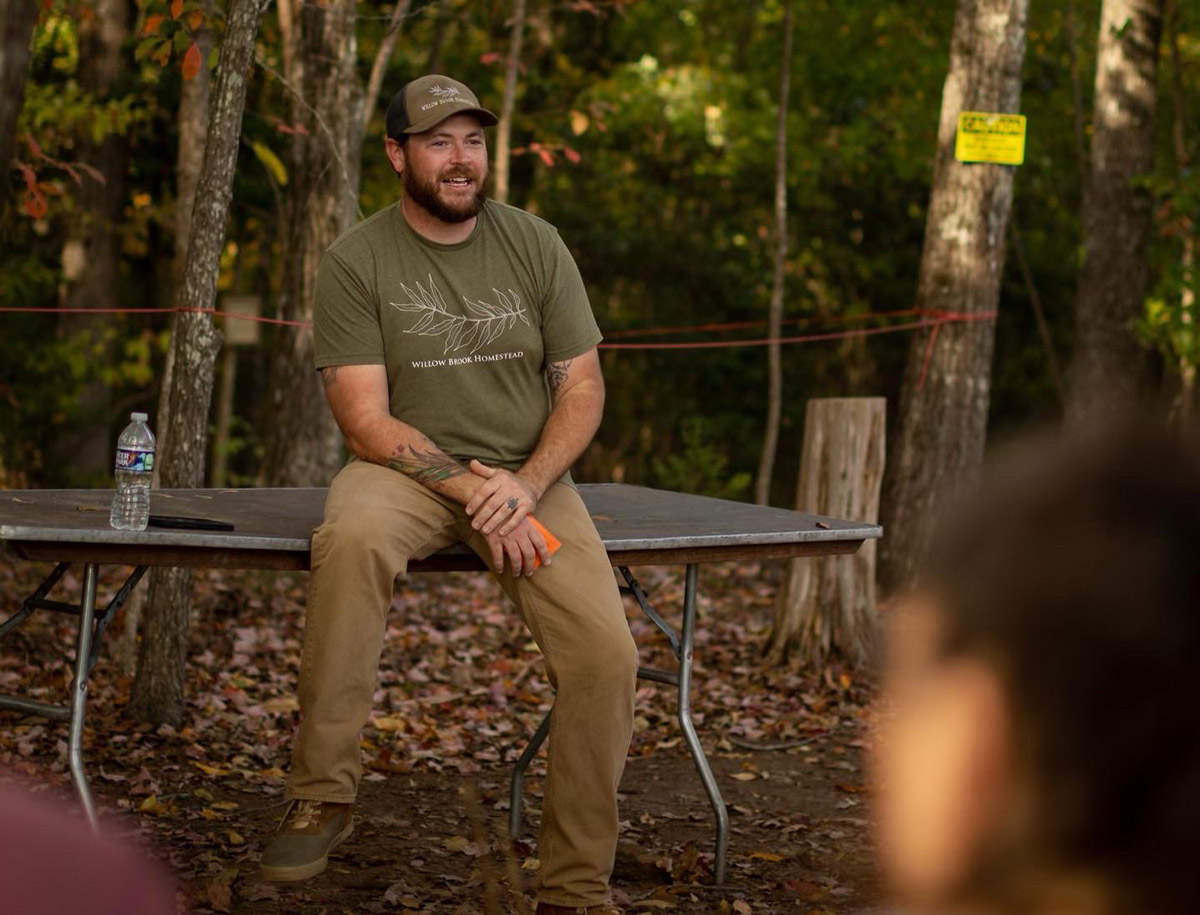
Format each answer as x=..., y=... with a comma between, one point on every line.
x=510, y=217
x=364, y=236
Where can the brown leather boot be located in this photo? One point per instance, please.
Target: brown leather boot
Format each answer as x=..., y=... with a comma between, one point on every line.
x=309, y=832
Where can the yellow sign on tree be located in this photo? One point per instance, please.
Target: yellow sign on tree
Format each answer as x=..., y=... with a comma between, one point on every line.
x=990, y=137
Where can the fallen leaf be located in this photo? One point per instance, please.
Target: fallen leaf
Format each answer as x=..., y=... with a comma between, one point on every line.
x=214, y=771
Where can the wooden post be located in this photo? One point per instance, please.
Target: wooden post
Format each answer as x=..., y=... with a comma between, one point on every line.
x=828, y=604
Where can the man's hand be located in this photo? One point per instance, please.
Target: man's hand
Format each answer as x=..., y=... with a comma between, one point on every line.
x=502, y=502
x=523, y=547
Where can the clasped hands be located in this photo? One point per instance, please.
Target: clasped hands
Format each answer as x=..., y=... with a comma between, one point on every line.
x=500, y=510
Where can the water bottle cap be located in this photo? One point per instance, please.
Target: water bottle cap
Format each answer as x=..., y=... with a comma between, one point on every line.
x=139, y=417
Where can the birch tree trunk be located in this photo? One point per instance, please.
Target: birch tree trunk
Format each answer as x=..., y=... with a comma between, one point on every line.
x=504, y=128
x=16, y=37
x=943, y=405
x=194, y=96
x=304, y=445
x=1108, y=365
x=766, y=466
x=827, y=604
x=158, y=687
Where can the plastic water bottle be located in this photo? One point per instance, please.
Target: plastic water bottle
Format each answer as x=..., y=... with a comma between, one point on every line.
x=135, y=463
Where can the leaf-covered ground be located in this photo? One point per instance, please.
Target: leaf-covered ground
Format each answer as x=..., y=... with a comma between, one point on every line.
x=461, y=689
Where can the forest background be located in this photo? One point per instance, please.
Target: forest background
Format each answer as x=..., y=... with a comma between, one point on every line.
x=645, y=131
x=648, y=132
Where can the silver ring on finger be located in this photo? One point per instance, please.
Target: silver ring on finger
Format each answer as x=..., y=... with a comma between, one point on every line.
x=512, y=504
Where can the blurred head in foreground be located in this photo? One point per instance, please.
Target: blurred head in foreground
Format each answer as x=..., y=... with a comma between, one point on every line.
x=1039, y=749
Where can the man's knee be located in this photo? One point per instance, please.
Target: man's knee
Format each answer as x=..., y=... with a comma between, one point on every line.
x=609, y=656
x=361, y=538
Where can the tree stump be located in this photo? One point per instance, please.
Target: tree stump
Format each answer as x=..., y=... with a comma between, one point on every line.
x=827, y=604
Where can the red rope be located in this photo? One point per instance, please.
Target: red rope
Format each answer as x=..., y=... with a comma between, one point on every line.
x=929, y=318
x=158, y=311
x=807, y=338
x=940, y=318
x=744, y=325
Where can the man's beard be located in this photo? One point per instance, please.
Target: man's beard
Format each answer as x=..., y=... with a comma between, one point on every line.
x=426, y=194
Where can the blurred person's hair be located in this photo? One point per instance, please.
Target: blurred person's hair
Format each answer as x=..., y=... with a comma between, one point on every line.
x=1075, y=575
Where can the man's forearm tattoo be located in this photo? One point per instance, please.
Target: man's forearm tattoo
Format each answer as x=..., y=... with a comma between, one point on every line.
x=425, y=467
x=556, y=374
x=329, y=375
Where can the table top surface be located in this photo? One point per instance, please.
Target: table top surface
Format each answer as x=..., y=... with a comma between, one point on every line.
x=628, y=518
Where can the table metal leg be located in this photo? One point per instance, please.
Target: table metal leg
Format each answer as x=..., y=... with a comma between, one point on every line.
x=517, y=782
x=90, y=629
x=689, y=729
x=79, y=686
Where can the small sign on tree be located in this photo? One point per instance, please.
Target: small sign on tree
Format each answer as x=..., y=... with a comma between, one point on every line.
x=990, y=137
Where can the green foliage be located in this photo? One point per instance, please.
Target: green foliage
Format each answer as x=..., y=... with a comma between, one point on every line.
x=1169, y=322
x=700, y=466
x=61, y=111
x=645, y=132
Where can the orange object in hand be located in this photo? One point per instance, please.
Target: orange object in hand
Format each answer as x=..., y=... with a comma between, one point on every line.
x=552, y=542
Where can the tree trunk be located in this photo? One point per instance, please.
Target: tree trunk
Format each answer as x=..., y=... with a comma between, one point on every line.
x=441, y=24
x=158, y=688
x=766, y=466
x=382, y=57
x=1109, y=364
x=504, y=128
x=16, y=37
x=304, y=445
x=827, y=604
x=944, y=396
x=194, y=96
x=92, y=251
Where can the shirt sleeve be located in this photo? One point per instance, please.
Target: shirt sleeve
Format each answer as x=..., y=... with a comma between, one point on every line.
x=346, y=327
x=568, y=325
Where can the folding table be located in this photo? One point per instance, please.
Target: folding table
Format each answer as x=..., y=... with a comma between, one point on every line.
x=273, y=528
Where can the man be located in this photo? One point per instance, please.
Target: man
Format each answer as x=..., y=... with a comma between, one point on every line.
x=458, y=353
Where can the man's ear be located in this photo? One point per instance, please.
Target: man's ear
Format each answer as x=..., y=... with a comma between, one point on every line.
x=395, y=154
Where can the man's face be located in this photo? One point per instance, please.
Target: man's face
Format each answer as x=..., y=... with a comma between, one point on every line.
x=445, y=169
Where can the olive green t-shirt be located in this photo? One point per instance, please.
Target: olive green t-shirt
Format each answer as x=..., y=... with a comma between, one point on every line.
x=464, y=330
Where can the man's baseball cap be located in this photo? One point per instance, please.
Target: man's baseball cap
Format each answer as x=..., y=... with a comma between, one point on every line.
x=425, y=102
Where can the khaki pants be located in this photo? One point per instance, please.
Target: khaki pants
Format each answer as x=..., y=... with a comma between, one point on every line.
x=376, y=520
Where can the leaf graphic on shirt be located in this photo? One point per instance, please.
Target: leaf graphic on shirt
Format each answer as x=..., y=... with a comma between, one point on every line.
x=483, y=323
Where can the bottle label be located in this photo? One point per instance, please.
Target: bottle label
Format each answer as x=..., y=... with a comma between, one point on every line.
x=135, y=461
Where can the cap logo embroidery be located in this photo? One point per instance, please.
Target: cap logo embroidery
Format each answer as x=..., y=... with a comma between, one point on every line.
x=443, y=91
